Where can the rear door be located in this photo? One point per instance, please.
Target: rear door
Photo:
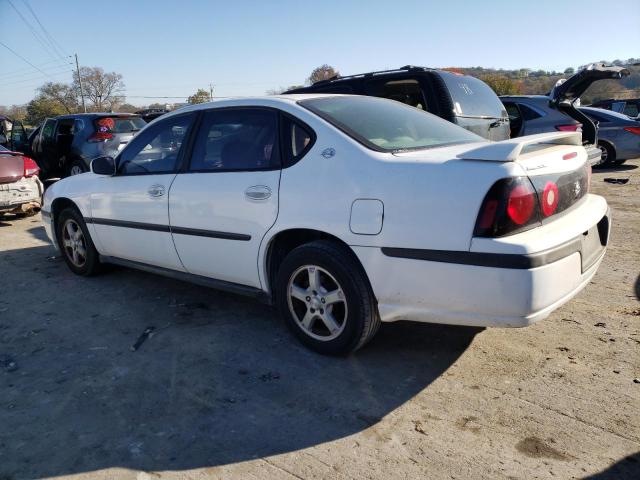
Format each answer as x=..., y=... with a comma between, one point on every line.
x=222, y=206
x=44, y=147
x=18, y=139
x=130, y=211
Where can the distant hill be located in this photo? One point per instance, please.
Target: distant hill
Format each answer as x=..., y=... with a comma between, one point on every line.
x=539, y=82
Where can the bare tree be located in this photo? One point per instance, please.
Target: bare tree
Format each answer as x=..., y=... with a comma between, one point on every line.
x=323, y=72
x=102, y=89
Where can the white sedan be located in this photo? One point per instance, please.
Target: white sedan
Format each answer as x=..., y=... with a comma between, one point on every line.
x=344, y=211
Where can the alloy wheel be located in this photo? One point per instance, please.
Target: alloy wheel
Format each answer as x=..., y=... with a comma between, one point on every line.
x=75, y=170
x=317, y=302
x=605, y=153
x=73, y=243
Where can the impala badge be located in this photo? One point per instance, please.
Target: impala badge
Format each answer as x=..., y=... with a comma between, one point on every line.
x=328, y=152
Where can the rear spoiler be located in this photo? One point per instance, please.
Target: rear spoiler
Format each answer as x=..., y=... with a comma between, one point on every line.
x=510, y=150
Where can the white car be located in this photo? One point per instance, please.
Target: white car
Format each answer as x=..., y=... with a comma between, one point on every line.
x=344, y=211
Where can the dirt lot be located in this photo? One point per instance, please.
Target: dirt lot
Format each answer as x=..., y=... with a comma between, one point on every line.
x=222, y=391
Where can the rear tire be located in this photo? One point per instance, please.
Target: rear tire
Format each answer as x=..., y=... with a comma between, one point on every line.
x=325, y=299
x=75, y=243
x=608, y=153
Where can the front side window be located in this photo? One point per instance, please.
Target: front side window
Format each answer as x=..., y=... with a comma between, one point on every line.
x=385, y=125
x=237, y=139
x=158, y=149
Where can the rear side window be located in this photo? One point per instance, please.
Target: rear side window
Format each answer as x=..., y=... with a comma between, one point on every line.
x=237, y=140
x=297, y=139
x=48, y=130
x=407, y=91
x=529, y=113
x=385, y=125
x=631, y=109
x=472, y=97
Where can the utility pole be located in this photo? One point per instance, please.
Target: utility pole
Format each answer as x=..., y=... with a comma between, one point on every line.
x=210, y=91
x=84, y=107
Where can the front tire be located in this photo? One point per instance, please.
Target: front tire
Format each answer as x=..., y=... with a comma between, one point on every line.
x=76, y=167
x=325, y=299
x=75, y=243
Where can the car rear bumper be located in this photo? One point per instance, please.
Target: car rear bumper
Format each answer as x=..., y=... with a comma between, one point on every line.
x=21, y=196
x=484, y=289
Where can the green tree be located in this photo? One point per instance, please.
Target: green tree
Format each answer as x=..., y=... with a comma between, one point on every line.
x=128, y=108
x=569, y=71
x=323, y=72
x=201, y=96
x=501, y=84
x=51, y=100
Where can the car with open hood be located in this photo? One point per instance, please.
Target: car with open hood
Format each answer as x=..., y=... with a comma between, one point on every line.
x=343, y=211
x=558, y=111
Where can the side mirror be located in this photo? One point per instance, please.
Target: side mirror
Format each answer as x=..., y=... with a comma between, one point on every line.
x=103, y=166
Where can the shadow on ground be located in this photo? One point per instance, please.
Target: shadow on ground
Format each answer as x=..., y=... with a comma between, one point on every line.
x=615, y=168
x=628, y=467
x=221, y=381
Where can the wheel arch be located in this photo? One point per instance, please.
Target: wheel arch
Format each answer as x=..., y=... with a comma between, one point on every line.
x=57, y=206
x=284, y=241
x=611, y=145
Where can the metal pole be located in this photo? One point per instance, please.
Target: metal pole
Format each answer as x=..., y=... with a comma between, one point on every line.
x=84, y=107
x=210, y=92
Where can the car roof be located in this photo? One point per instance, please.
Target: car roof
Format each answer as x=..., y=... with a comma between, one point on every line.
x=607, y=113
x=533, y=97
x=95, y=115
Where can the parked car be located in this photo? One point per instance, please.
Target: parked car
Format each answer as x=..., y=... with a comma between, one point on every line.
x=20, y=187
x=529, y=114
x=628, y=106
x=618, y=135
x=344, y=211
x=12, y=134
x=151, y=113
x=461, y=99
x=65, y=145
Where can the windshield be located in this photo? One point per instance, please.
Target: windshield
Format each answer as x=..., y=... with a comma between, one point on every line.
x=387, y=125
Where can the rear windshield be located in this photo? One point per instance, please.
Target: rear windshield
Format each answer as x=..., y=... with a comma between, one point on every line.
x=387, y=125
x=119, y=124
x=472, y=97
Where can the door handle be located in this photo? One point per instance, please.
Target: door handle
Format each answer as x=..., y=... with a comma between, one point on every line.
x=156, y=190
x=258, y=192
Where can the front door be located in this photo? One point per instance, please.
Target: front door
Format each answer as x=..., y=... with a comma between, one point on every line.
x=129, y=211
x=222, y=206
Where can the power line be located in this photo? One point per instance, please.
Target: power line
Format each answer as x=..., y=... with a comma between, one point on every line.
x=19, y=71
x=52, y=40
x=49, y=70
x=33, y=31
x=24, y=59
x=25, y=80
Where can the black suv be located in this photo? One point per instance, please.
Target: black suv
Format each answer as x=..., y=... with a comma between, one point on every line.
x=461, y=99
x=65, y=145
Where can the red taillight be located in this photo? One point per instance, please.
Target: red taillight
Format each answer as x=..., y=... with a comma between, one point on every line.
x=569, y=156
x=30, y=167
x=569, y=128
x=100, y=137
x=550, y=198
x=521, y=203
x=634, y=130
x=488, y=214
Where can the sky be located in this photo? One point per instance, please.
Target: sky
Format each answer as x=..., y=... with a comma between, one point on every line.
x=246, y=47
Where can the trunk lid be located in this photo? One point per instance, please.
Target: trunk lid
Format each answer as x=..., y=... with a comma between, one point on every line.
x=11, y=167
x=564, y=96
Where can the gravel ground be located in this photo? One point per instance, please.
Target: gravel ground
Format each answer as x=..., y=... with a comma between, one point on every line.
x=221, y=390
